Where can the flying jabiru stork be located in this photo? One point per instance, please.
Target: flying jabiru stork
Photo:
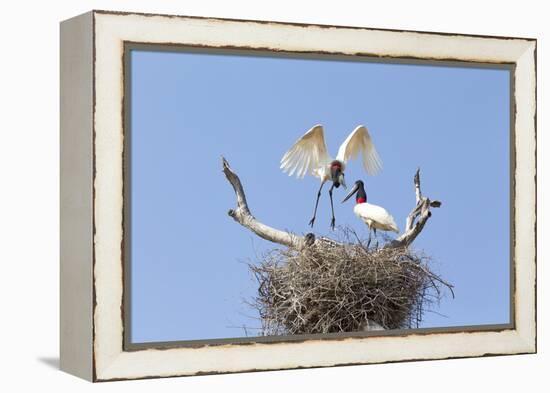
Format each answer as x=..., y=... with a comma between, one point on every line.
x=375, y=217
x=309, y=156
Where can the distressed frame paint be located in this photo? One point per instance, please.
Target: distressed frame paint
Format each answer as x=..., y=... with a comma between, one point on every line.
x=111, y=359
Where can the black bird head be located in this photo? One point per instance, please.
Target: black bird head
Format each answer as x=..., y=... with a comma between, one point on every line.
x=359, y=189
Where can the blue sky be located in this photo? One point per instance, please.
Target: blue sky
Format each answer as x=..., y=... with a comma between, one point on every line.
x=189, y=273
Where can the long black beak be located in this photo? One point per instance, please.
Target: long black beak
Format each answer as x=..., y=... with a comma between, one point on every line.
x=353, y=191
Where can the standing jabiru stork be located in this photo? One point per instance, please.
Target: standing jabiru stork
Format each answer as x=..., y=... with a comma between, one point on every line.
x=309, y=156
x=375, y=217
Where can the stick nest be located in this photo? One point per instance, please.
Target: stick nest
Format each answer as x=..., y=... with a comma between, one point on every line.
x=330, y=288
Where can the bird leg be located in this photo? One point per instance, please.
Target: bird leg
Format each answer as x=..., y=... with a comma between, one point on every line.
x=370, y=237
x=333, y=220
x=376, y=237
x=316, y=204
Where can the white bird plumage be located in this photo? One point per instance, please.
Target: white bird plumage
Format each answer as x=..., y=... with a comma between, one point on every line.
x=309, y=155
x=359, y=141
x=376, y=217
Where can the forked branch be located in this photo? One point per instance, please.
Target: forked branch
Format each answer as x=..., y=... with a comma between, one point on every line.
x=242, y=215
x=417, y=217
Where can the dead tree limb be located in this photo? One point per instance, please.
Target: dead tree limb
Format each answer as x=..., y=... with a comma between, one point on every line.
x=421, y=213
x=242, y=215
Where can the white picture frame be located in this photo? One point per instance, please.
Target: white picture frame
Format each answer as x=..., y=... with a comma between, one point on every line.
x=92, y=195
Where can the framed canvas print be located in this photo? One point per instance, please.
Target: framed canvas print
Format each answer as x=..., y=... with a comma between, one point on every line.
x=246, y=195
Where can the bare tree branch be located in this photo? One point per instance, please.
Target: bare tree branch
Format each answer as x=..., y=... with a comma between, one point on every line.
x=421, y=213
x=417, y=190
x=242, y=215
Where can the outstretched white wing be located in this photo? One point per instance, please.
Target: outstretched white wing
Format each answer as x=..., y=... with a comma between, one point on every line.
x=308, y=153
x=360, y=141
